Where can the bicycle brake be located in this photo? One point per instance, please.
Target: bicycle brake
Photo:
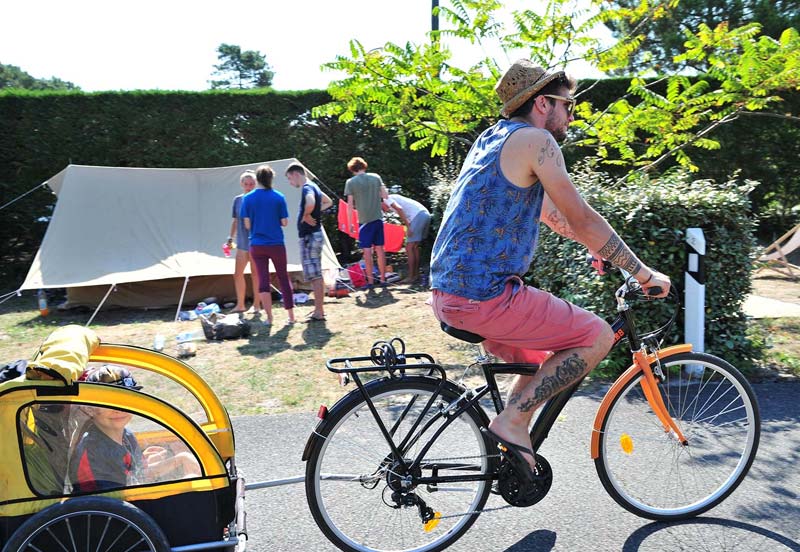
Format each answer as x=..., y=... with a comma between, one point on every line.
x=657, y=370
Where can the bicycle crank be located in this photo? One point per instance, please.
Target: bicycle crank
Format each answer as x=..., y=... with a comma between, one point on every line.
x=519, y=491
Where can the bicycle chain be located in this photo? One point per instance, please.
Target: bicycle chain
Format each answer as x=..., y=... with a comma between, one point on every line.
x=462, y=457
x=485, y=510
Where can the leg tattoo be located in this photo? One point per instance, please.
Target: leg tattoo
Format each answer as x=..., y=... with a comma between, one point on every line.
x=567, y=373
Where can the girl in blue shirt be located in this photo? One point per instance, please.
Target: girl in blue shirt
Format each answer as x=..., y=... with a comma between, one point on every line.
x=265, y=213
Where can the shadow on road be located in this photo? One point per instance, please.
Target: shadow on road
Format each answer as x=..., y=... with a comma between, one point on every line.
x=540, y=541
x=707, y=534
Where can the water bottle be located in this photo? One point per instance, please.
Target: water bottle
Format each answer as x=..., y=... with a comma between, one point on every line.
x=41, y=297
x=158, y=342
x=186, y=336
x=226, y=248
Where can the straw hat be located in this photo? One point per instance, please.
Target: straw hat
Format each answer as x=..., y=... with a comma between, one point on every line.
x=522, y=80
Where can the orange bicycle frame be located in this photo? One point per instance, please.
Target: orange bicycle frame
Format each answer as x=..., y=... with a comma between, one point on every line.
x=641, y=364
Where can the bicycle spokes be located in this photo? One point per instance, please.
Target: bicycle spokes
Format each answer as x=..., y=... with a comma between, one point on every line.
x=652, y=392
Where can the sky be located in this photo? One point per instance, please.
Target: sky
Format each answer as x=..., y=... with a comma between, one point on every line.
x=171, y=44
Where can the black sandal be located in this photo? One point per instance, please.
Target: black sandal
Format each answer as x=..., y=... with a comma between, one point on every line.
x=513, y=453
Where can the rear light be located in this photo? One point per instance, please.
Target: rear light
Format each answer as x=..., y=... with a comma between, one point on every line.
x=322, y=413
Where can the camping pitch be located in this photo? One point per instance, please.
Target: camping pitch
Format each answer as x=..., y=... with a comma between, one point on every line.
x=144, y=237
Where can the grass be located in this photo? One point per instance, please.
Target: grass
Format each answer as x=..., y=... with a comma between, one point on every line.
x=276, y=369
x=282, y=368
x=783, y=346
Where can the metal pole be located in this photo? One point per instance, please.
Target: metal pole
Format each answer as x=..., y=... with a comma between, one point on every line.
x=695, y=293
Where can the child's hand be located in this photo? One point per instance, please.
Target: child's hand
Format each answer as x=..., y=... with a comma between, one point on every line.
x=154, y=455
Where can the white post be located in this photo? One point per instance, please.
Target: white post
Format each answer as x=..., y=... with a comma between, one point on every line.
x=695, y=294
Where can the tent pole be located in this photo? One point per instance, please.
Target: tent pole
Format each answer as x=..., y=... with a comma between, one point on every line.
x=180, y=301
x=110, y=289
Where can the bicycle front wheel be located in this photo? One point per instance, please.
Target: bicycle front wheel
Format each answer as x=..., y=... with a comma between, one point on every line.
x=356, y=489
x=648, y=471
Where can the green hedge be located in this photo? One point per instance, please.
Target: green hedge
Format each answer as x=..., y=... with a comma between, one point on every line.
x=43, y=132
x=652, y=217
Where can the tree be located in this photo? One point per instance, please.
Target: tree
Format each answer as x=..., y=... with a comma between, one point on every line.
x=665, y=36
x=430, y=102
x=12, y=76
x=239, y=69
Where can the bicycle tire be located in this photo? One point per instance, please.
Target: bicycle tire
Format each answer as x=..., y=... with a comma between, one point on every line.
x=348, y=490
x=648, y=472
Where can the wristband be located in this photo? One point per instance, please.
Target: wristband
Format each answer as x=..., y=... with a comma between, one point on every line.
x=650, y=278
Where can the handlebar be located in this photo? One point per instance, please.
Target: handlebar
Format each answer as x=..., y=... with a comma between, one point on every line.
x=607, y=265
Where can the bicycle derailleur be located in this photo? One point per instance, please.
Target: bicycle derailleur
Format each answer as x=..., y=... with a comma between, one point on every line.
x=399, y=492
x=520, y=491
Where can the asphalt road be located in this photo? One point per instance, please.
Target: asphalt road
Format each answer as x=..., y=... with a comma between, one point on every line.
x=762, y=515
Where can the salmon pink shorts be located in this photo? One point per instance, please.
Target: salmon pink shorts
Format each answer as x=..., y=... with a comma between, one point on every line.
x=522, y=324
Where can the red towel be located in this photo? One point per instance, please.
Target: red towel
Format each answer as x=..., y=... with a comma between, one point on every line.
x=393, y=234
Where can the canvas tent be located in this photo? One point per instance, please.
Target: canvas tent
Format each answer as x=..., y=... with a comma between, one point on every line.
x=153, y=236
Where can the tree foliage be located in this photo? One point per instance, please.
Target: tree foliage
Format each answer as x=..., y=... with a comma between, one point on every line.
x=417, y=90
x=12, y=76
x=241, y=69
x=664, y=36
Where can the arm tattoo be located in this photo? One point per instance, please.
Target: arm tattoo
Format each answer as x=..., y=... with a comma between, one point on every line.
x=558, y=223
x=619, y=254
x=567, y=373
x=549, y=151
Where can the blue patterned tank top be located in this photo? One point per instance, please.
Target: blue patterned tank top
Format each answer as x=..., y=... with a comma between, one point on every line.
x=490, y=226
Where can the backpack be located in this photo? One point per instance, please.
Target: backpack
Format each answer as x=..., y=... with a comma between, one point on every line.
x=218, y=326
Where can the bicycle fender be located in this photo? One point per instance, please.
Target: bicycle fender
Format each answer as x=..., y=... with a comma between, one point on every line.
x=320, y=429
x=623, y=380
x=316, y=433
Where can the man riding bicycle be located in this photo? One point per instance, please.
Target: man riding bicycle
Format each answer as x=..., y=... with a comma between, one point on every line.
x=513, y=177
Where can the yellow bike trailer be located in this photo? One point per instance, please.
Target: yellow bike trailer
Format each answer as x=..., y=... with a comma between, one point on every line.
x=185, y=495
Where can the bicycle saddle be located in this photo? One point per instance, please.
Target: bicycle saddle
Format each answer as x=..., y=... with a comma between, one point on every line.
x=463, y=335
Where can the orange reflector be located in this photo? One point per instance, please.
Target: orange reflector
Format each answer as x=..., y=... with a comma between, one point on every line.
x=430, y=525
x=626, y=443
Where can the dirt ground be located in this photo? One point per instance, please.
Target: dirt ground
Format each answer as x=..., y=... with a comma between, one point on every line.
x=777, y=285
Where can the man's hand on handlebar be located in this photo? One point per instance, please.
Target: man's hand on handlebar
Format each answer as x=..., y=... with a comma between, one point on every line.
x=598, y=263
x=656, y=285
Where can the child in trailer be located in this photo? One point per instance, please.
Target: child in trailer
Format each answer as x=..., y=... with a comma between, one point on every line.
x=108, y=455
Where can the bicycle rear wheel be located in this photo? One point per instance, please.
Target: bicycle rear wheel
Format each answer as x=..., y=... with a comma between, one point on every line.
x=352, y=478
x=648, y=472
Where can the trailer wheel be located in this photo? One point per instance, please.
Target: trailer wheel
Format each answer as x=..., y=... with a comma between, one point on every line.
x=89, y=523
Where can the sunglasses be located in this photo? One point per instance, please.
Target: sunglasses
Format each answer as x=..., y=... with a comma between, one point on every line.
x=569, y=101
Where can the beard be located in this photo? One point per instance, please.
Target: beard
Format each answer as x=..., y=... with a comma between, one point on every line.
x=558, y=131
